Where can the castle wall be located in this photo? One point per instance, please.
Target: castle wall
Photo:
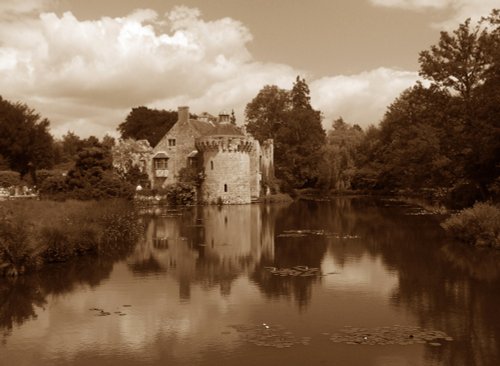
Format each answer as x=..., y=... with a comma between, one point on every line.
x=255, y=174
x=178, y=155
x=226, y=163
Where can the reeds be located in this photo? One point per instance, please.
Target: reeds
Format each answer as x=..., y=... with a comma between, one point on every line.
x=36, y=232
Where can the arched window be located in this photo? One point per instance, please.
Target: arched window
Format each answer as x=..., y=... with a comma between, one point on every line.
x=225, y=187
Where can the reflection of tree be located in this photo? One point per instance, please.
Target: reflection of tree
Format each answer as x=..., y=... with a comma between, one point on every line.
x=446, y=286
x=210, y=246
x=292, y=251
x=20, y=297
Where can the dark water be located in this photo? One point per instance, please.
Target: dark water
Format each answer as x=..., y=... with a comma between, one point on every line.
x=196, y=292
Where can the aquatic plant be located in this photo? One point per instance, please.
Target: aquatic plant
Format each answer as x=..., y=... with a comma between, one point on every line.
x=478, y=225
x=18, y=250
x=37, y=232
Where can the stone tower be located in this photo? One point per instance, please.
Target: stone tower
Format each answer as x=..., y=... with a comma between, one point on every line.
x=226, y=165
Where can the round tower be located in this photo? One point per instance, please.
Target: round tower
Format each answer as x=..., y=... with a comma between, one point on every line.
x=226, y=164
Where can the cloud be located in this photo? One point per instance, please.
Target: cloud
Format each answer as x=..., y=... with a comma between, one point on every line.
x=85, y=76
x=459, y=10
x=361, y=98
x=107, y=66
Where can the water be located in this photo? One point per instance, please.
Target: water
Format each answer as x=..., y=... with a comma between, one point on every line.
x=196, y=291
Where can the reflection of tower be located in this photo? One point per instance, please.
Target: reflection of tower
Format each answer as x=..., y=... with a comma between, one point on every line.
x=210, y=245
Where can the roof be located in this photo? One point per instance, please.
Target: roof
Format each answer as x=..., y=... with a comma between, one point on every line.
x=225, y=129
x=160, y=154
x=202, y=127
x=215, y=129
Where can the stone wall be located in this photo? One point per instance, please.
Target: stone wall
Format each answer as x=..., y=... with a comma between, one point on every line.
x=226, y=163
x=255, y=173
x=184, y=137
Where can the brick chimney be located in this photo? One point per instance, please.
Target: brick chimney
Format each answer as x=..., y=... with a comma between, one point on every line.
x=183, y=114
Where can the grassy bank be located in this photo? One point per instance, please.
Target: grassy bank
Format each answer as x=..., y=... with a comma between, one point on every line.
x=34, y=233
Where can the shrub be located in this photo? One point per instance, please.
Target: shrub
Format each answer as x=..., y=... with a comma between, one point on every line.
x=8, y=178
x=478, y=225
x=33, y=232
x=18, y=252
x=181, y=194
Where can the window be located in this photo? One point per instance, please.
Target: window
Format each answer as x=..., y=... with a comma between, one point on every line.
x=225, y=187
x=171, y=142
x=212, y=165
x=161, y=163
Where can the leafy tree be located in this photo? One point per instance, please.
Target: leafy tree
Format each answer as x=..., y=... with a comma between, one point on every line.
x=288, y=118
x=266, y=112
x=25, y=141
x=143, y=123
x=337, y=164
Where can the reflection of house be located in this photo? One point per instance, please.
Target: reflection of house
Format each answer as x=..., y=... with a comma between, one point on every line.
x=234, y=165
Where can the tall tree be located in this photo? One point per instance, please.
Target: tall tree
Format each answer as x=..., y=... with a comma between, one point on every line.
x=143, y=123
x=266, y=112
x=25, y=141
x=288, y=118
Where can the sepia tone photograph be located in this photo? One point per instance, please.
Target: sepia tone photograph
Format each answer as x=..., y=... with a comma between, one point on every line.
x=250, y=182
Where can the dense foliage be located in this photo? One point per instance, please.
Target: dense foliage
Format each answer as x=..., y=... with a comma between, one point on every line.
x=36, y=232
x=25, y=142
x=288, y=118
x=478, y=225
x=444, y=136
x=143, y=123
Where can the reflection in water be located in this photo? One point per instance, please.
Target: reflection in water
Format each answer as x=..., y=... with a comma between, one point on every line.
x=200, y=271
x=208, y=245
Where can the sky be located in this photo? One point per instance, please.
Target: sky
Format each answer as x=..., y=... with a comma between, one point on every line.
x=85, y=64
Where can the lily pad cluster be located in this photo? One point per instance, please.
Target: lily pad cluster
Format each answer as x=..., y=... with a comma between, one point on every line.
x=102, y=312
x=390, y=335
x=297, y=271
x=267, y=335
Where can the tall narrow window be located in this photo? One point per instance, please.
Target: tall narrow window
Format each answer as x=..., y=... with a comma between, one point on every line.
x=225, y=187
x=212, y=165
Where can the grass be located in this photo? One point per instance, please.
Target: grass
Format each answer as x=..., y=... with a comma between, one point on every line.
x=34, y=233
x=478, y=225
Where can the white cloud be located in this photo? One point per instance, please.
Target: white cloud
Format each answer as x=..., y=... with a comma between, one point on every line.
x=459, y=10
x=361, y=98
x=113, y=64
x=413, y=4
x=85, y=76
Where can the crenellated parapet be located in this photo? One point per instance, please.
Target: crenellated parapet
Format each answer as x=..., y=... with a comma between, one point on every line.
x=224, y=144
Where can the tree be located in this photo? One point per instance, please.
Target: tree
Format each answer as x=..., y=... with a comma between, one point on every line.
x=25, y=141
x=337, y=165
x=266, y=112
x=143, y=123
x=288, y=118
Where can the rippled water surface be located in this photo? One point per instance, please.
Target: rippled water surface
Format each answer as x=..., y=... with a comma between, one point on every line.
x=374, y=283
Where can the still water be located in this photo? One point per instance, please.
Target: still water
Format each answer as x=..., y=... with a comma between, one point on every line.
x=200, y=289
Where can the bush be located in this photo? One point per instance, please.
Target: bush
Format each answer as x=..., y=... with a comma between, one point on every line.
x=479, y=225
x=36, y=232
x=181, y=194
x=8, y=178
x=18, y=251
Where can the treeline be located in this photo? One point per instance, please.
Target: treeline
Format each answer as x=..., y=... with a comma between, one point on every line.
x=441, y=137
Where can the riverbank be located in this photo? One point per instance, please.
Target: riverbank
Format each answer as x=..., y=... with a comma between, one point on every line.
x=36, y=233
x=477, y=226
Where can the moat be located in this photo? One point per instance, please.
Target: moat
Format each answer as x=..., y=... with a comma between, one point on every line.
x=355, y=281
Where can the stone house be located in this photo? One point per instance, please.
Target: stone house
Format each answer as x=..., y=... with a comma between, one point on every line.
x=235, y=167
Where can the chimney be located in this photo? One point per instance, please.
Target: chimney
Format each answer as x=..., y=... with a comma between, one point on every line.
x=183, y=114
